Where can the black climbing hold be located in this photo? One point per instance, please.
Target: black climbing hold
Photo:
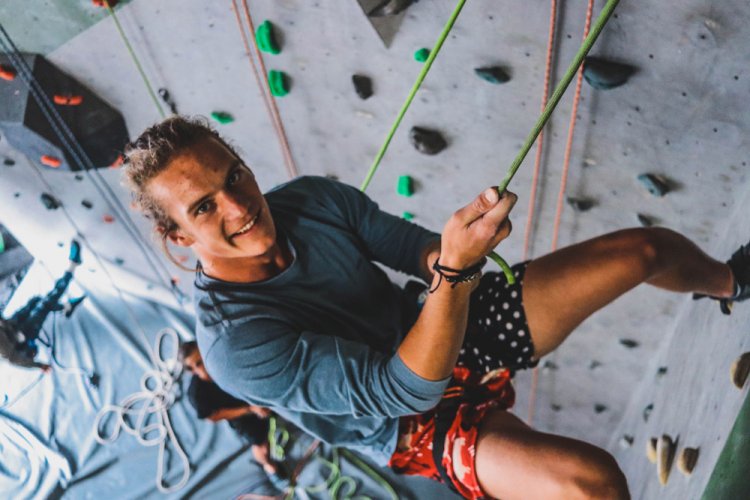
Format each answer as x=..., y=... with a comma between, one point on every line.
x=429, y=142
x=389, y=8
x=16, y=195
x=662, y=371
x=656, y=184
x=604, y=75
x=594, y=364
x=50, y=202
x=628, y=440
x=9, y=162
x=493, y=74
x=79, y=177
x=580, y=204
x=647, y=411
x=167, y=98
x=555, y=407
x=94, y=380
x=362, y=86
x=87, y=204
x=549, y=366
x=629, y=343
x=600, y=408
x=646, y=220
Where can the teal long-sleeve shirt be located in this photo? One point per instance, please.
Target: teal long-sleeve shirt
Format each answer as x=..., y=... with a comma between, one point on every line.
x=317, y=343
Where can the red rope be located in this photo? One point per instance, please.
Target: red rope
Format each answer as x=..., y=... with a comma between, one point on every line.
x=535, y=178
x=268, y=100
x=563, y=184
x=540, y=140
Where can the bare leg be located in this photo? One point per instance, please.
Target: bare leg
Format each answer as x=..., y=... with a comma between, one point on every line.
x=514, y=461
x=562, y=289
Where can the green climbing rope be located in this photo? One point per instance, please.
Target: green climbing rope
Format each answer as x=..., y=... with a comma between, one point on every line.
x=560, y=89
x=135, y=59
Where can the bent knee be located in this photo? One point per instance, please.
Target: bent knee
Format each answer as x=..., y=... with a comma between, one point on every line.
x=597, y=477
x=647, y=247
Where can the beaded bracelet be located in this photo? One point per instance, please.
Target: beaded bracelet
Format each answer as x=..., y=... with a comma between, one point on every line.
x=457, y=276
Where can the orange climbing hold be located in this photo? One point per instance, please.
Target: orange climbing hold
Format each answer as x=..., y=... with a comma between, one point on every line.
x=7, y=72
x=108, y=219
x=103, y=3
x=50, y=161
x=68, y=100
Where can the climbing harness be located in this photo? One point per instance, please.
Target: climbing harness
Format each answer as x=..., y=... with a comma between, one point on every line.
x=145, y=414
x=538, y=126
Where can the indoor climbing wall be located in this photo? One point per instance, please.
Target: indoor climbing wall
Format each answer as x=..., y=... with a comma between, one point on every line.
x=667, y=145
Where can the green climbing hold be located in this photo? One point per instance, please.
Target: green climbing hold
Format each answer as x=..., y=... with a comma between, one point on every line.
x=278, y=82
x=2, y=240
x=222, y=117
x=266, y=38
x=421, y=55
x=493, y=74
x=405, y=186
x=407, y=216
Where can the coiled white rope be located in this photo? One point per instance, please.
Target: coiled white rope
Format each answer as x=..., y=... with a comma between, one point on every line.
x=145, y=414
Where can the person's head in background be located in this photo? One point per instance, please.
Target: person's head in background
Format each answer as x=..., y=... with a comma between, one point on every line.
x=191, y=360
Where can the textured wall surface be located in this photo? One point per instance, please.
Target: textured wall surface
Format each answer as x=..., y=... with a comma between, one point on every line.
x=683, y=115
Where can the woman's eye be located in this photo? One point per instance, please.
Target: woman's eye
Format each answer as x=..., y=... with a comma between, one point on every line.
x=203, y=208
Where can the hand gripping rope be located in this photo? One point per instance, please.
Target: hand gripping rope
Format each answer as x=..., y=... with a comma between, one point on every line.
x=560, y=89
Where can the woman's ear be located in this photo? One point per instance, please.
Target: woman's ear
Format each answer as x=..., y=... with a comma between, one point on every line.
x=176, y=236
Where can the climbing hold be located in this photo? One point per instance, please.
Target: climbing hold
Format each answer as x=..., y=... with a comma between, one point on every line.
x=7, y=72
x=647, y=411
x=2, y=243
x=50, y=161
x=167, y=98
x=549, y=366
x=108, y=218
x=405, y=186
x=687, y=460
x=422, y=54
x=656, y=184
x=740, y=370
x=278, y=81
x=183, y=258
x=493, y=74
x=661, y=371
x=604, y=75
x=87, y=204
x=555, y=407
x=665, y=449
x=103, y=3
x=580, y=204
x=651, y=450
x=67, y=100
x=119, y=261
x=626, y=441
x=407, y=216
x=9, y=162
x=222, y=117
x=629, y=343
x=427, y=141
x=389, y=8
x=362, y=86
x=600, y=408
x=265, y=36
x=594, y=365
x=50, y=202
x=78, y=177
x=646, y=220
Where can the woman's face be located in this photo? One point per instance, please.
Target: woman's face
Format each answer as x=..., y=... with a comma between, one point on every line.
x=217, y=205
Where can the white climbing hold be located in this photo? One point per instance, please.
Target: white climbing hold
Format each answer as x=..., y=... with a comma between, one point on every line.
x=651, y=450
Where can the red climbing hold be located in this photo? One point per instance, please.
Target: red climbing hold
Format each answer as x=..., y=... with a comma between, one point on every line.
x=50, y=161
x=118, y=162
x=6, y=72
x=68, y=100
x=108, y=219
x=103, y=3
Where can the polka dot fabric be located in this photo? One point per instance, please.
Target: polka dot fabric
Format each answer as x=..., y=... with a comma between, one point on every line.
x=497, y=335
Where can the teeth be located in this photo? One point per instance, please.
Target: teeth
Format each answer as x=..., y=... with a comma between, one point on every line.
x=247, y=227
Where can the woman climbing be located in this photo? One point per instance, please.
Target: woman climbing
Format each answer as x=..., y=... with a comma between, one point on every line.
x=294, y=315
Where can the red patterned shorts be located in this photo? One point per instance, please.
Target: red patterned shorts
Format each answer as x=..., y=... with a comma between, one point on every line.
x=414, y=455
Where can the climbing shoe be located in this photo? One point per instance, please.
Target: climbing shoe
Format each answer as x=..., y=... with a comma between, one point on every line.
x=72, y=305
x=740, y=266
x=75, y=252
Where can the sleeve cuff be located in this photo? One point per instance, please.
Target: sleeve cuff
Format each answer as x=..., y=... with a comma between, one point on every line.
x=415, y=383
